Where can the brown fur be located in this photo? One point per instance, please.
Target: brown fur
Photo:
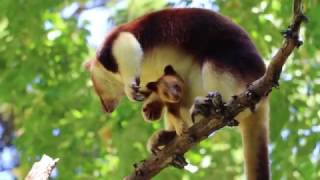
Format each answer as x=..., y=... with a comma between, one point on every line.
x=201, y=33
x=262, y=155
x=170, y=88
x=153, y=110
x=104, y=55
x=255, y=143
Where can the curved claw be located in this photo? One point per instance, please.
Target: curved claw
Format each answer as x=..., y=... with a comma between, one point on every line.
x=233, y=123
x=155, y=150
x=193, y=115
x=179, y=161
x=137, y=94
x=139, y=97
x=210, y=105
x=215, y=98
x=200, y=106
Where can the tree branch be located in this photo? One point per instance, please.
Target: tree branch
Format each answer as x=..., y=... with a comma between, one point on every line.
x=259, y=89
x=42, y=169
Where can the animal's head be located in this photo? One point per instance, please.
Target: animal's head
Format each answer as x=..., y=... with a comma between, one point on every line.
x=115, y=68
x=169, y=87
x=107, y=84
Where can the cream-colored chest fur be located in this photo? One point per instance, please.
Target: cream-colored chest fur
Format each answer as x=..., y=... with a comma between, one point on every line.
x=149, y=66
x=198, y=80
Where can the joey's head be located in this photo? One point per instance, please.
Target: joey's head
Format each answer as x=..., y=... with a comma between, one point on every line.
x=169, y=87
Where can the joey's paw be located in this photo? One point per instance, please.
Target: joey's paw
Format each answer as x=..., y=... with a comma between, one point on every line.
x=211, y=105
x=178, y=161
x=152, y=111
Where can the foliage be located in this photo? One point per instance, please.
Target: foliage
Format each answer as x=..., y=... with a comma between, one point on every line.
x=57, y=112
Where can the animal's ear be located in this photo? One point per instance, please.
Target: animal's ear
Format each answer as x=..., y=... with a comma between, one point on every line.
x=168, y=70
x=152, y=86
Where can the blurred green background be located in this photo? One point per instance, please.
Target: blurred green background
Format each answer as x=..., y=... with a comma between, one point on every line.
x=43, y=45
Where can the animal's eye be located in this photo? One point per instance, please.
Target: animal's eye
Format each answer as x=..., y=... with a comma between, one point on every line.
x=177, y=87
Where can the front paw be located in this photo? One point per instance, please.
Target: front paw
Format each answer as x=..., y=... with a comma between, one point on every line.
x=152, y=111
x=211, y=105
x=135, y=92
x=178, y=161
x=159, y=140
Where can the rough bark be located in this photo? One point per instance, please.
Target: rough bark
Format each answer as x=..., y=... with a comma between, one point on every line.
x=42, y=169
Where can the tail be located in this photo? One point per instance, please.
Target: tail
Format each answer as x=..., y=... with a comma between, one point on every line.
x=254, y=130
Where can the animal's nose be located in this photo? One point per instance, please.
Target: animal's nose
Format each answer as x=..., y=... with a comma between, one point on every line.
x=108, y=105
x=177, y=96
